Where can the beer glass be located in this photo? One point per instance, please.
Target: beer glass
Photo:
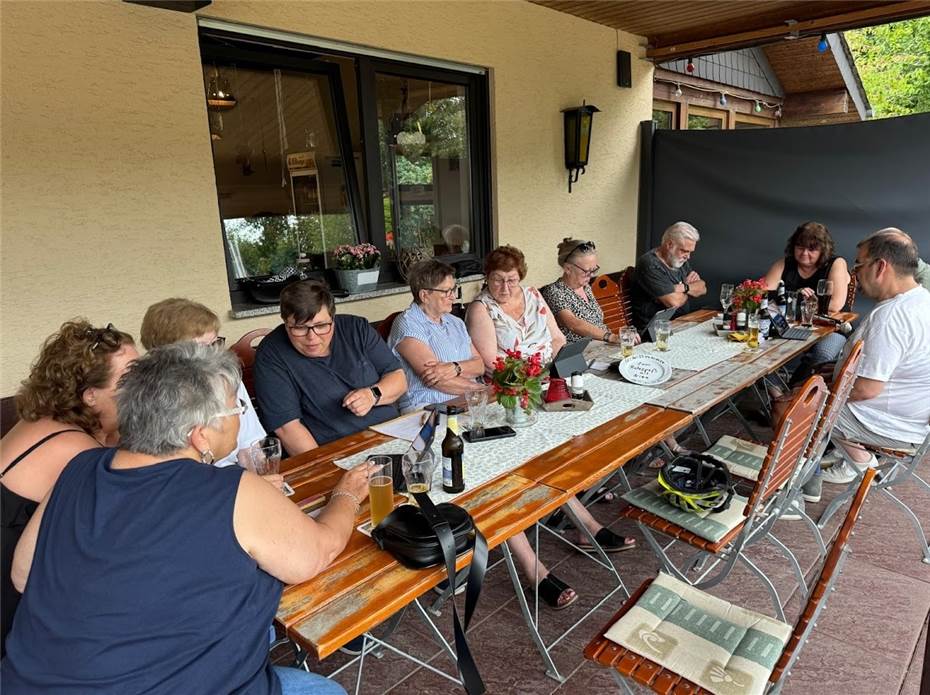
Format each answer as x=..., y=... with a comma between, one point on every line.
x=808, y=309
x=627, y=341
x=477, y=400
x=264, y=456
x=792, y=306
x=380, y=488
x=752, y=323
x=418, y=471
x=726, y=296
x=663, y=333
x=824, y=295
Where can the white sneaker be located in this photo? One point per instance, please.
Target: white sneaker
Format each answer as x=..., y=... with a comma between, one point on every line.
x=831, y=457
x=862, y=467
x=793, y=512
x=839, y=473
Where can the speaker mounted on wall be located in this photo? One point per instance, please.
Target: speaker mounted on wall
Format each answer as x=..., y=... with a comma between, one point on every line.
x=624, y=69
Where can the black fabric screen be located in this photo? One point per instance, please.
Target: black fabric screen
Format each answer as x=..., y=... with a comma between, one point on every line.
x=747, y=190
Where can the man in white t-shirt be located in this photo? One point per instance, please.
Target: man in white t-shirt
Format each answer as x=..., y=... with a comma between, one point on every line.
x=889, y=405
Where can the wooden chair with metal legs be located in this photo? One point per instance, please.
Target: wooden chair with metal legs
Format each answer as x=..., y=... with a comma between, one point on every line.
x=744, y=459
x=723, y=537
x=611, y=301
x=661, y=637
x=895, y=467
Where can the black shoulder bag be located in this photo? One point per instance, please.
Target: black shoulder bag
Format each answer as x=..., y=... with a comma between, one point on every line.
x=435, y=534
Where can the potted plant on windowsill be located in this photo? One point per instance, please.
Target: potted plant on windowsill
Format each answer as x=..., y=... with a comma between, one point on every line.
x=357, y=265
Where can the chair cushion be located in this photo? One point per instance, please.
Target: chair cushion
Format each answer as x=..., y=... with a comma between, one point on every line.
x=711, y=526
x=724, y=648
x=742, y=458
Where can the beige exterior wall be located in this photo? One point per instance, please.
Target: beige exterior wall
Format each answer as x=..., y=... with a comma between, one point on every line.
x=108, y=194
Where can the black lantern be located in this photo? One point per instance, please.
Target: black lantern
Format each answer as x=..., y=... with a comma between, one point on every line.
x=577, y=139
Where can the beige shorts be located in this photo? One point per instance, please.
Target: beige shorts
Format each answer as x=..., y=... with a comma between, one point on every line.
x=849, y=428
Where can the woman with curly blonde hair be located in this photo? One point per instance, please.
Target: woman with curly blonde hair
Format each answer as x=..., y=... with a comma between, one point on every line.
x=66, y=406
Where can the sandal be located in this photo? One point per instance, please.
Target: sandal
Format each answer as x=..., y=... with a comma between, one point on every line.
x=609, y=541
x=551, y=589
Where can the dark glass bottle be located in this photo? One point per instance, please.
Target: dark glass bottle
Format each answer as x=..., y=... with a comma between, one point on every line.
x=453, y=448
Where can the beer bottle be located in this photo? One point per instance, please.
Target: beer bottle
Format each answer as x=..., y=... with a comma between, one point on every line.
x=453, y=448
x=781, y=299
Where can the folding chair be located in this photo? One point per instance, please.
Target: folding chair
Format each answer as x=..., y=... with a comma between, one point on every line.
x=743, y=458
x=725, y=535
x=895, y=467
x=607, y=294
x=245, y=350
x=661, y=638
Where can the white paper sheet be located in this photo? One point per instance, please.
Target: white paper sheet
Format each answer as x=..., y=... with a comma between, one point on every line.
x=404, y=427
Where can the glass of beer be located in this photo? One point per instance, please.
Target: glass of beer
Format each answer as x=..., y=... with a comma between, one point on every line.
x=752, y=323
x=380, y=488
x=824, y=295
x=663, y=333
x=627, y=341
x=263, y=456
x=808, y=309
x=418, y=471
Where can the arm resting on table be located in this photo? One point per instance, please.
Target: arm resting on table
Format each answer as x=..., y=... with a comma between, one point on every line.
x=295, y=437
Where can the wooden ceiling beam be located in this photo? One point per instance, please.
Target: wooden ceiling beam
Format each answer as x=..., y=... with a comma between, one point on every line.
x=880, y=14
x=816, y=104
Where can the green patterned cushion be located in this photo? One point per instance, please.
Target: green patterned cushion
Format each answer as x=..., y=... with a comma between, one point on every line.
x=724, y=648
x=711, y=526
x=741, y=458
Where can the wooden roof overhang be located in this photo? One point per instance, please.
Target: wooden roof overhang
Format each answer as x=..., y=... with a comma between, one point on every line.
x=679, y=28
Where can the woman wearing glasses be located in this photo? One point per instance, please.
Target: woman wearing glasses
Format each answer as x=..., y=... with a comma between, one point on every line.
x=66, y=406
x=156, y=573
x=173, y=320
x=319, y=376
x=435, y=350
x=576, y=310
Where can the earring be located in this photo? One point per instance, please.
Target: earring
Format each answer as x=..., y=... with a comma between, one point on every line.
x=207, y=457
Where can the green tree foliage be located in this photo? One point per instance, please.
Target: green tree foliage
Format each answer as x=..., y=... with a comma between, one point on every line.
x=894, y=63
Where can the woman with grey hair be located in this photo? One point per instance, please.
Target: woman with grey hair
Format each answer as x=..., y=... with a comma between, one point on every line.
x=156, y=571
x=570, y=298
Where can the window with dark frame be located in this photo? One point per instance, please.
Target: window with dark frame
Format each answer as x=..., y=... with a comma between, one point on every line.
x=313, y=149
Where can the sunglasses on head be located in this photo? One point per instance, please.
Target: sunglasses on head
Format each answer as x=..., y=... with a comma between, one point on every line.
x=109, y=337
x=585, y=247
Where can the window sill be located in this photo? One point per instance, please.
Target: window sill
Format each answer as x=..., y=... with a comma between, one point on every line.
x=249, y=309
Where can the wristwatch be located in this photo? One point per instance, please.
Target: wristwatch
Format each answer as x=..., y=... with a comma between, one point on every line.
x=458, y=369
x=687, y=289
x=377, y=393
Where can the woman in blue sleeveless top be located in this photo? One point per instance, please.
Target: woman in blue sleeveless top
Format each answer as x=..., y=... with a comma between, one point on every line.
x=146, y=570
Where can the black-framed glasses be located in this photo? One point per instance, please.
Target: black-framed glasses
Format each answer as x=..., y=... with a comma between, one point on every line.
x=109, y=337
x=448, y=294
x=301, y=330
x=218, y=341
x=590, y=273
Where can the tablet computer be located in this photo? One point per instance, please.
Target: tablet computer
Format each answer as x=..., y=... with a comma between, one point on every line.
x=571, y=359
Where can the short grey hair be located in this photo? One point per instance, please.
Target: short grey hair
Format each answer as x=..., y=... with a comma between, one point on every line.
x=680, y=231
x=894, y=247
x=169, y=391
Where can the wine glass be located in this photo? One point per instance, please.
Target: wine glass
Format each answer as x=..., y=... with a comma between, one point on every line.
x=824, y=295
x=726, y=296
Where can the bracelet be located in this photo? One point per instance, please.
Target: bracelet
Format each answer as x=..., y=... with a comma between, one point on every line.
x=606, y=337
x=346, y=493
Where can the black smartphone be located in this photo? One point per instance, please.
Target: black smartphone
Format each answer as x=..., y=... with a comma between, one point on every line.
x=491, y=433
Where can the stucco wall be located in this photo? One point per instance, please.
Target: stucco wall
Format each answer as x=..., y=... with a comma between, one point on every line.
x=108, y=195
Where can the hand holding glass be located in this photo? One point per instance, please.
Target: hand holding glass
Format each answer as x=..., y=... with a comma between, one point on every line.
x=380, y=488
x=264, y=456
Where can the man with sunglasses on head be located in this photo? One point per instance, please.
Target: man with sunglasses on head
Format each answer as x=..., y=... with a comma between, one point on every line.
x=663, y=278
x=319, y=376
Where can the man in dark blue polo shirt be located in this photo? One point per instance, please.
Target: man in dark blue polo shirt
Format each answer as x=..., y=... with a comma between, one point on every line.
x=318, y=376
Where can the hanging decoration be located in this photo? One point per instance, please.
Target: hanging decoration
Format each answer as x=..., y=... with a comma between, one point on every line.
x=823, y=45
x=282, y=128
x=219, y=95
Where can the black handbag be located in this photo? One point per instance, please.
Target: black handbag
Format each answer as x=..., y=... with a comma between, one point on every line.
x=431, y=535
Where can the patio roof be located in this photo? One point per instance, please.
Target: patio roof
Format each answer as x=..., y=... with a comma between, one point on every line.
x=677, y=29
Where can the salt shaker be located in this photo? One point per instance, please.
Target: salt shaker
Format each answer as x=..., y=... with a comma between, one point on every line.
x=577, y=384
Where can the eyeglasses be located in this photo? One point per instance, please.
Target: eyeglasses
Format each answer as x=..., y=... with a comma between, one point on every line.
x=236, y=410
x=590, y=273
x=502, y=282
x=448, y=294
x=299, y=331
x=218, y=341
x=109, y=336
x=859, y=266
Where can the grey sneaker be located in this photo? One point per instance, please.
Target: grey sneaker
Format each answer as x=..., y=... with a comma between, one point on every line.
x=812, y=490
x=793, y=512
x=838, y=474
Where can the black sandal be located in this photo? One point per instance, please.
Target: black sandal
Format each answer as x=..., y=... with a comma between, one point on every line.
x=609, y=541
x=551, y=589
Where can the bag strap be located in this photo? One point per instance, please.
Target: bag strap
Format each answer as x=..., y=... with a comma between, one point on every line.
x=471, y=679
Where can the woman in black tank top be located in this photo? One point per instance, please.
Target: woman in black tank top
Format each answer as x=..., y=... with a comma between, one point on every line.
x=809, y=257
x=70, y=390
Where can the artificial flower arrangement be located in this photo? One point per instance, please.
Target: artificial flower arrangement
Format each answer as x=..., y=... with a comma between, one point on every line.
x=517, y=380
x=356, y=256
x=748, y=295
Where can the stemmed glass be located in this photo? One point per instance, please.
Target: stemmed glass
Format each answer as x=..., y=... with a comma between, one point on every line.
x=726, y=296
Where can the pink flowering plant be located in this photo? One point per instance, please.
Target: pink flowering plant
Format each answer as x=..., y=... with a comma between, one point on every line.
x=517, y=380
x=748, y=295
x=356, y=256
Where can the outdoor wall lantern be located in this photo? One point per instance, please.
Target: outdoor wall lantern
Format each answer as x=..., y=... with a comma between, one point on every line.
x=577, y=139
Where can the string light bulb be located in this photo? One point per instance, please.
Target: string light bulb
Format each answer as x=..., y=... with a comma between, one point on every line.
x=690, y=66
x=778, y=112
x=758, y=107
x=823, y=45
x=723, y=98
x=677, y=90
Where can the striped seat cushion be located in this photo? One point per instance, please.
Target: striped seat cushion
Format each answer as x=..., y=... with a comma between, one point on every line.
x=724, y=648
x=711, y=526
x=742, y=458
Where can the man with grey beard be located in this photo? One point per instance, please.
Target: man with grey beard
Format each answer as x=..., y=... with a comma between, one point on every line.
x=664, y=278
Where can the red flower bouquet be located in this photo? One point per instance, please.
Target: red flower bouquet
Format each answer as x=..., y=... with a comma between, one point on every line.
x=517, y=380
x=748, y=295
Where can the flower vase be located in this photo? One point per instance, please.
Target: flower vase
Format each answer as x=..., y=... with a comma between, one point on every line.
x=518, y=417
x=352, y=280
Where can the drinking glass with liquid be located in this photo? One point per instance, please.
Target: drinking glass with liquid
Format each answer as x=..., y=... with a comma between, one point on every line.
x=418, y=471
x=752, y=324
x=380, y=488
x=663, y=334
x=824, y=295
x=627, y=341
x=808, y=309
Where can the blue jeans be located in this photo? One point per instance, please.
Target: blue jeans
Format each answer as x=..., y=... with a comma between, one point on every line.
x=296, y=681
